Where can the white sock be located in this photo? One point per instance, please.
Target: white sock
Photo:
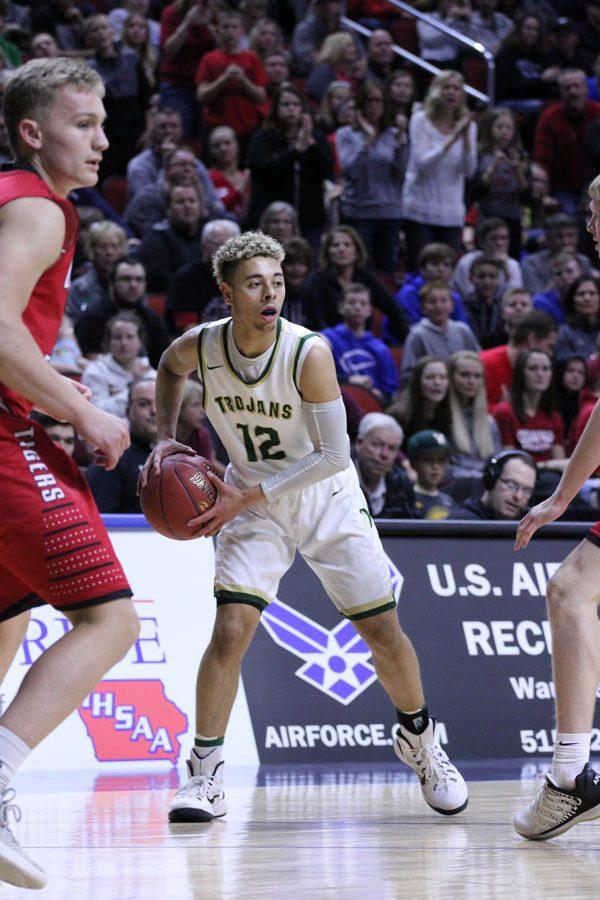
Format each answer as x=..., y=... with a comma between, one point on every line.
x=204, y=745
x=13, y=752
x=571, y=752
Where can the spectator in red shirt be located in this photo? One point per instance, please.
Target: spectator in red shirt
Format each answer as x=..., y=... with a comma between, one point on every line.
x=185, y=35
x=529, y=420
x=535, y=330
x=230, y=81
x=561, y=139
x=232, y=183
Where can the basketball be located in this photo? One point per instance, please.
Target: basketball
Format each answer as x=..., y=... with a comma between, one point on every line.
x=180, y=492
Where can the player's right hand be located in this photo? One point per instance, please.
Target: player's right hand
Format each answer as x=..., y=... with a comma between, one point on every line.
x=107, y=434
x=152, y=465
x=542, y=514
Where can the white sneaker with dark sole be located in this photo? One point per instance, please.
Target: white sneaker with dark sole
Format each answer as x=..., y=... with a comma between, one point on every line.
x=442, y=785
x=16, y=867
x=554, y=810
x=202, y=798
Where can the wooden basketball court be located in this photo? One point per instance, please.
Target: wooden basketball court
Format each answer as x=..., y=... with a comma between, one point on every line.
x=360, y=832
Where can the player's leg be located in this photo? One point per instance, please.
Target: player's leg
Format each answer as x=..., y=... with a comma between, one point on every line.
x=346, y=553
x=62, y=677
x=394, y=659
x=202, y=797
x=12, y=635
x=572, y=792
x=53, y=545
x=253, y=552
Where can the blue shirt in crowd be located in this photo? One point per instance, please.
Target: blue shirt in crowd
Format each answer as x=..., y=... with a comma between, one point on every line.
x=365, y=355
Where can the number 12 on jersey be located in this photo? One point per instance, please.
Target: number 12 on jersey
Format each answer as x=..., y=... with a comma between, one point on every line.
x=264, y=449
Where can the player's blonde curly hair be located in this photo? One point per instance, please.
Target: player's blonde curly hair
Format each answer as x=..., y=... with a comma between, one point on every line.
x=242, y=247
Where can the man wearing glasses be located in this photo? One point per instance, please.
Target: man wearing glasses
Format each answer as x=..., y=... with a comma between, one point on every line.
x=509, y=479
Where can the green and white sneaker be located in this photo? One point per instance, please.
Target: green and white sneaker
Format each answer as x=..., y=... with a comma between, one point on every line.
x=442, y=785
x=202, y=798
x=16, y=867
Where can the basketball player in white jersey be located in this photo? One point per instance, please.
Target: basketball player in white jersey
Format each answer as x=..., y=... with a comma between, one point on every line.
x=571, y=793
x=271, y=393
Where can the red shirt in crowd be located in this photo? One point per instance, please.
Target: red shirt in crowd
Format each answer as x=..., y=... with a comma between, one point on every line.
x=232, y=106
x=498, y=373
x=233, y=200
x=560, y=144
x=537, y=435
x=181, y=69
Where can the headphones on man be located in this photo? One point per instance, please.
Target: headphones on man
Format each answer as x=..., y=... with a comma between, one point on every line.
x=494, y=465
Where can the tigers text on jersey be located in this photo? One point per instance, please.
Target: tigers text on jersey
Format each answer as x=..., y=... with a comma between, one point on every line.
x=257, y=413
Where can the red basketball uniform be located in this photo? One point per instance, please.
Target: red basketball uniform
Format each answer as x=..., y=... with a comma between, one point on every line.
x=54, y=547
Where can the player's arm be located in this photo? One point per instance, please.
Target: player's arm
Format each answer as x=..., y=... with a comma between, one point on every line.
x=584, y=461
x=325, y=418
x=176, y=363
x=32, y=231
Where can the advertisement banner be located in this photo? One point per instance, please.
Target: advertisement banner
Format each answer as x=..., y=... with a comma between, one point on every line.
x=141, y=715
x=475, y=611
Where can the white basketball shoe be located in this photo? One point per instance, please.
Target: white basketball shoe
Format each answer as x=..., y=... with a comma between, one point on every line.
x=554, y=810
x=442, y=785
x=16, y=867
x=202, y=798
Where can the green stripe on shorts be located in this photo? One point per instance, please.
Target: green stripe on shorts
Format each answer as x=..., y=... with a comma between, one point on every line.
x=224, y=596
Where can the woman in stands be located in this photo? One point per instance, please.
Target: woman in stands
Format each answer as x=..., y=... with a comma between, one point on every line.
x=232, y=183
x=529, y=420
x=474, y=435
x=571, y=391
x=442, y=155
x=579, y=333
x=290, y=161
x=337, y=60
x=373, y=159
x=342, y=260
x=399, y=95
x=501, y=182
x=136, y=36
x=425, y=402
x=524, y=76
x=280, y=221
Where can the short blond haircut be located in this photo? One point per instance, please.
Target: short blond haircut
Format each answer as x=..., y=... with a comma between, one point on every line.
x=333, y=46
x=31, y=90
x=242, y=247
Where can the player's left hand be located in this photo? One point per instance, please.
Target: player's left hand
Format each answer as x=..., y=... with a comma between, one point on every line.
x=230, y=503
x=545, y=512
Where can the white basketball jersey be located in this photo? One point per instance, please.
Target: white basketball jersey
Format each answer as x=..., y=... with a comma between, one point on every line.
x=257, y=413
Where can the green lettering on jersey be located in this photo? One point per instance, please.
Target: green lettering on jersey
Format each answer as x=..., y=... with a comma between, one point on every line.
x=221, y=403
x=286, y=411
x=239, y=403
x=250, y=405
x=229, y=403
x=260, y=408
x=273, y=410
x=266, y=447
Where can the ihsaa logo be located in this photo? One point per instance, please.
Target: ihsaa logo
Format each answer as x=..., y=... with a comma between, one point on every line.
x=336, y=662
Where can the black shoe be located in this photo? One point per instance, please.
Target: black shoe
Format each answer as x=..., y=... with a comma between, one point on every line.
x=555, y=809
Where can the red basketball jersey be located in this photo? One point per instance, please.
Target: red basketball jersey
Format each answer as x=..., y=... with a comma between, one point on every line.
x=45, y=308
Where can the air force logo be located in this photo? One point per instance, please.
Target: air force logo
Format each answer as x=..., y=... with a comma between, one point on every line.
x=336, y=662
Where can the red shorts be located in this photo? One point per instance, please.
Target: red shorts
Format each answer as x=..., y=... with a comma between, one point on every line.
x=54, y=547
x=593, y=534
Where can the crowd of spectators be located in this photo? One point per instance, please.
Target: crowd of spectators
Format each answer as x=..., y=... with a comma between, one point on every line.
x=436, y=242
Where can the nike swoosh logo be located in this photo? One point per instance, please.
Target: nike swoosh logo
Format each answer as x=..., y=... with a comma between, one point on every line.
x=337, y=492
x=214, y=367
x=567, y=743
